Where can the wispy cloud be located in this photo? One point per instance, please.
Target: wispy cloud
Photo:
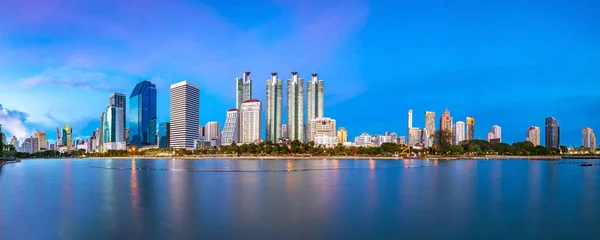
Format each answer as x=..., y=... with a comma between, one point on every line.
x=73, y=77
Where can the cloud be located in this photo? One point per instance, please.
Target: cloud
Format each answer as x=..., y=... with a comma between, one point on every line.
x=74, y=77
x=13, y=122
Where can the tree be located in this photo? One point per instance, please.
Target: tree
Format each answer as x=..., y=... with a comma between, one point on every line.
x=442, y=140
x=1, y=141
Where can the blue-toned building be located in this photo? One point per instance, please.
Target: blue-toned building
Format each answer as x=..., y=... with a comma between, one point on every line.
x=142, y=115
x=164, y=133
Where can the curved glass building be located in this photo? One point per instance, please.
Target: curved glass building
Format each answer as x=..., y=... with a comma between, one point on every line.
x=142, y=115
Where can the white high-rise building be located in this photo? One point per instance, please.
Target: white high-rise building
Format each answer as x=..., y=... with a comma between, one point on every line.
x=588, y=138
x=243, y=89
x=364, y=140
x=295, y=107
x=184, y=114
x=314, y=99
x=284, y=131
x=322, y=125
x=459, y=132
x=213, y=132
x=231, y=129
x=414, y=136
x=409, y=119
x=533, y=135
x=497, y=131
x=251, y=121
x=274, y=96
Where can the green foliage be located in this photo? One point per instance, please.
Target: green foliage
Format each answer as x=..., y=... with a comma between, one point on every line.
x=442, y=140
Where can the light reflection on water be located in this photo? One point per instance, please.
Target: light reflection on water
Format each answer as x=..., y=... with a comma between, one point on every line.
x=298, y=199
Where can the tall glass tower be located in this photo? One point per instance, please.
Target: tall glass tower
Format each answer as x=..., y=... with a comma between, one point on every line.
x=142, y=115
x=295, y=107
x=243, y=89
x=314, y=100
x=274, y=105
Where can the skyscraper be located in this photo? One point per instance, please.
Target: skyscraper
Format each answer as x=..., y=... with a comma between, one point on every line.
x=430, y=122
x=459, y=131
x=533, y=135
x=314, y=99
x=588, y=138
x=114, y=138
x=342, y=135
x=142, y=115
x=120, y=100
x=231, y=130
x=495, y=134
x=446, y=121
x=284, y=131
x=100, y=133
x=409, y=119
x=164, y=133
x=67, y=137
x=552, y=133
x=41, y=136
x=244, y=89
x=251, y=121
x=274, y=96
x=184, y=114
x=470, y=128
x=213, y=133
x=295, y=107
x=414, y=134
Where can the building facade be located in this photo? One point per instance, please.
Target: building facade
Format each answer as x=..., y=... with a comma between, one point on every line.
x=459, y=132
x=142, y=115
x=243, y=89
x=42, y=143
x=552, y=133
x=588, y=139
x=446, y=121
x=251, y=121
x=414, y=136
x=274, y=97
x=120, y=100
x=315, y=90
x=231, y=130
x=322, y=125
x=470, y=128
x=164, y=133
x=212, y=133
x=67, y=137
x=533, y=135
x=184, y=114
x=342, y=135
x=295, y=108
x=364, y=140
x=430, y=122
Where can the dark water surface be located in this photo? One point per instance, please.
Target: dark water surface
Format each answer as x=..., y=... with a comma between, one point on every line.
x=298, y=199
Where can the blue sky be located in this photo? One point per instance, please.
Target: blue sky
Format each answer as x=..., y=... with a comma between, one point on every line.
x=510, y=63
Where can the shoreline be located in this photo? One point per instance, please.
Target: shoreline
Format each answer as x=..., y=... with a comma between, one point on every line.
x=432, y=157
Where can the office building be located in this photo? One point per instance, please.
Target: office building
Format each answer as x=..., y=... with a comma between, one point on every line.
x=67, y=137
x=212, y=132
x=251, y=121
x=588, y=139
x=295, y=108
x=41, y=137
x=142, y=115
x=284, y=131
x=533, y=135
x=430, y=123
x=274, y=96
x=114, y=138
x=342, y=135
x=244, y=89
x=184, y=114
x=470, y=128
x=231, y=130
x=322, y=125
x=402, y=140
x=120, y=100
x=414, y=136
x=459, y=132
x=446, y=121
x=394, y=138
x=164, y=133
x=314, y=99
x=325, y=140
x=364, y=140
x=552, y=133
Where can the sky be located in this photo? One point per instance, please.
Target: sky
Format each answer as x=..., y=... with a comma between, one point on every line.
x=508, y=63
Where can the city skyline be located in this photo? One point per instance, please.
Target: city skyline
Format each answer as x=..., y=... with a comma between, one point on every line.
x=57, y=70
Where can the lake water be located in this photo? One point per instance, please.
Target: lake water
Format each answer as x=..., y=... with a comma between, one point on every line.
x=298, y=199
